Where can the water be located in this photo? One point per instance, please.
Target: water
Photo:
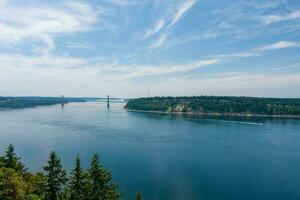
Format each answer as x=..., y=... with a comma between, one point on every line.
x=164, y=156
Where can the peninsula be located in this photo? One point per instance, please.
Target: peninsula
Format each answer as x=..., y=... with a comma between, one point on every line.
x=218, y=105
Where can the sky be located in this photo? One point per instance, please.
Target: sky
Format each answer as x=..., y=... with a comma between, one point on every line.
x=173, y=47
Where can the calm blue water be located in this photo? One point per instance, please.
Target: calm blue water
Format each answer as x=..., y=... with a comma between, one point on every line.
x=163, y=156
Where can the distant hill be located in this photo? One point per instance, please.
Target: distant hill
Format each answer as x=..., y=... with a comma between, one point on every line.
x=225, y=105
x=26, y=102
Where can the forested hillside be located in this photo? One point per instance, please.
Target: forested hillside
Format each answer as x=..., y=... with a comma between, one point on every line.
x=218, y=104
x=25, y=102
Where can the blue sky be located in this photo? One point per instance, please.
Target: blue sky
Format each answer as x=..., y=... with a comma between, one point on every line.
x=175, y=47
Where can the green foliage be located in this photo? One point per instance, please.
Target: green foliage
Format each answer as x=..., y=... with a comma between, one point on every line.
x=138, y=196
x=55, y=177
x=17, y=184
x=214, y=104
x=100, y=186
x=12, y=185
x=27, y=102
x=77, y=184
x=12, y=161
x=36, y=185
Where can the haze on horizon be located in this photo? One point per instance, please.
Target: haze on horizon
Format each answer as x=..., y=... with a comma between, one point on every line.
x=122, y=47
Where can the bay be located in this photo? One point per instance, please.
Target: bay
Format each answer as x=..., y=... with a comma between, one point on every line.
x=164, y=156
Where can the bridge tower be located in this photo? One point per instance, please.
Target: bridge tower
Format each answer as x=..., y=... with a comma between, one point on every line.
x=107, y=101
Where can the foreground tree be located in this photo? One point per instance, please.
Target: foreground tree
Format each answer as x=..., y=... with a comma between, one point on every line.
x=77, y=182
x=100, y=186
x=17, y=184
x=138, y=196
x=55, y=178
x=36, y=186
x=11, y=160
x=12, y=185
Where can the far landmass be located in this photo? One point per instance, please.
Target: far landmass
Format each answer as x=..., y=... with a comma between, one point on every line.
x=27, y=102
x=218, y=105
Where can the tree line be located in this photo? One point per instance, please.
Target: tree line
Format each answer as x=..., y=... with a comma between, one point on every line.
x=28, y=102
x=95, y=183
x=218, y=104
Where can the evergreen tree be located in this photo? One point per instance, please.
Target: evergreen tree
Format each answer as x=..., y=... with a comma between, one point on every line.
x=138, y=196
x=55, y=177
x=96, y=175
x=11, y=160
x=36, y=185
x=77, y=182
x=2, y=161
x=12, y=185
x=100, y=186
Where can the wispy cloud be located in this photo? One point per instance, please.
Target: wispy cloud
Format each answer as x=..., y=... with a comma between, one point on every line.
x=277, y=45
x=157, y=27
x=78, y=46
x=94, y=47
x=166, y=69
x=269, y=19
x=130, y=56
x=259, y=50
x=182, y=8
x=44, y=22
x=159, y=42
x=42, y=62
x=242, y=84
x=123, y=2
x=112, y=69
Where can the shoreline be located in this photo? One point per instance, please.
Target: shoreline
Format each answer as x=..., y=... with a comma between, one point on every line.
x=216, y=114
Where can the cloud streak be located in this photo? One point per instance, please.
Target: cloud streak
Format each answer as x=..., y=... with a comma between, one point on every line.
x=157, y=27
x=259, y=50
x=43, y=23
x=239, y=84
x=162, y=39
x=183, y=8
x=270, y=19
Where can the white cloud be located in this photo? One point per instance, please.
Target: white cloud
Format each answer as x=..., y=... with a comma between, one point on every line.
x=157, y=27
x=56, y=75
x=171, y=17
x=123, y=2
x=269, y=19
x=78, y=46
x=159, y=42
x=43, y=22
x=130, y=56
x=166, y=69
x=278, y=45
x=259, y=50
x=184, y=7
x=239, y=84
x=40, y=62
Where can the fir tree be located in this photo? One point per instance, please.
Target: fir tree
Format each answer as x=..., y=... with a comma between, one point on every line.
x=138, y=196
x=11, y=160
x=100, y=186
x=77, y=182
x=96, y=175
x=55, y=177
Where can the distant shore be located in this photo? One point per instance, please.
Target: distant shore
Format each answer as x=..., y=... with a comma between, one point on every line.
x=218, y=106
x=9, y=103
x=215, y=114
